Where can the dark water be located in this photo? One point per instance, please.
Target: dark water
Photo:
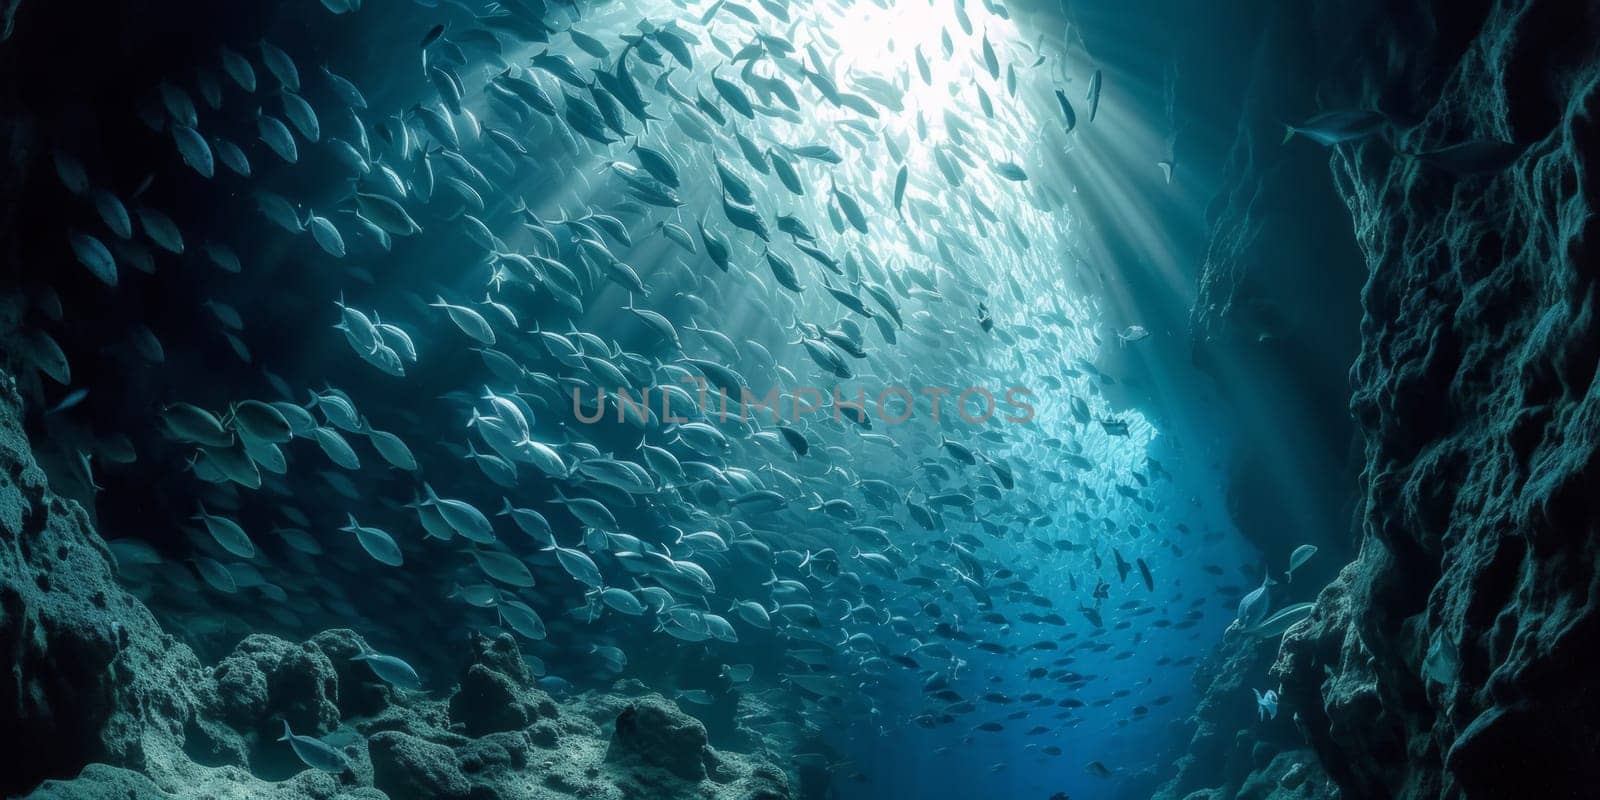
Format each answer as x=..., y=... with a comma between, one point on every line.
x=1071, y=283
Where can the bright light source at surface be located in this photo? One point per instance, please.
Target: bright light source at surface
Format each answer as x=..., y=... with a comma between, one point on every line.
x=894, y=42
x=940, y=127
x=886, y=41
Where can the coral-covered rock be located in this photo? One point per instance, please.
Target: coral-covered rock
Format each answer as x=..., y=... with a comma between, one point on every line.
x=361, y=693
x=1227, y=727
x=501, y=654
x=1291, y=774
x=489, y=702
x=748, y=779
x=1445, y=660
x=89, y=674
x=101, y=781
x=1475, y=589
x=408, y=768
x=497, y=751
x=651, y=731
x=267, y=680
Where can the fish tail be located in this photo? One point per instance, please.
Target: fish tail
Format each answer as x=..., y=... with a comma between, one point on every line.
x=1288, y=133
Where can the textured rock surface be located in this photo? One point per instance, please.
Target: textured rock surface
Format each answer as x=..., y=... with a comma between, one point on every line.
x=90, y=675
x=1233, y=751
x=1476, y=390
x=1476, y=397
x=107, y=705
x=408, y=768
x=651, y=733
x=1275, y=315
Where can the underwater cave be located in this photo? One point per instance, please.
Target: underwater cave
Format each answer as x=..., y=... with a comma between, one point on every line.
x=799, y=399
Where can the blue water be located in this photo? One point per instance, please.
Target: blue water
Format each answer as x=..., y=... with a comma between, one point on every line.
x=1003, y=282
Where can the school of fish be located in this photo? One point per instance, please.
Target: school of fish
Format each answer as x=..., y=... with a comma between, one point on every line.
x=556, y=250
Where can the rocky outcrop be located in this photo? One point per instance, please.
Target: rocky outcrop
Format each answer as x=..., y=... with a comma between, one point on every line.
x=409, y=768
x=268, y=680
x=90, y=675
x=1275, y=316
x=657, y=747
x=107, y=705
x=1234, y=751
x=490, y=702
x=651, y=733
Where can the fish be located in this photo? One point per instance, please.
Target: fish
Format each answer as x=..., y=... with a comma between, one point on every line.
x=391, y=669
x=1254, y=607
x=1299, y=557
x=314, y=752
x=275, y=134
x=377, y=543
x=1442, y=662
x=1337, y=126
x=69, y=400
x=96, y=257
x=1281, y=620
x=227, y=534
x=1010, y=171
x=1092, y=96
x=1474, y=157
x=1266, y=704
x=194, y=150
x=280, y=64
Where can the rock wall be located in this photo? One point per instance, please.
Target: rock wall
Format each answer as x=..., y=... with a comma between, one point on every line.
x=1275, y=316
x=90, y=676
x=1450, y=658
x=1236, y=751
x=1475, y=391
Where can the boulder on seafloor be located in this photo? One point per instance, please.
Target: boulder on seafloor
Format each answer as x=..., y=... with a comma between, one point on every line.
x=652, y=732
x=501, y=654
x=267, y=681
x=408, y=768
x=489, y=702
x=658, y=750
x=101, y=781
